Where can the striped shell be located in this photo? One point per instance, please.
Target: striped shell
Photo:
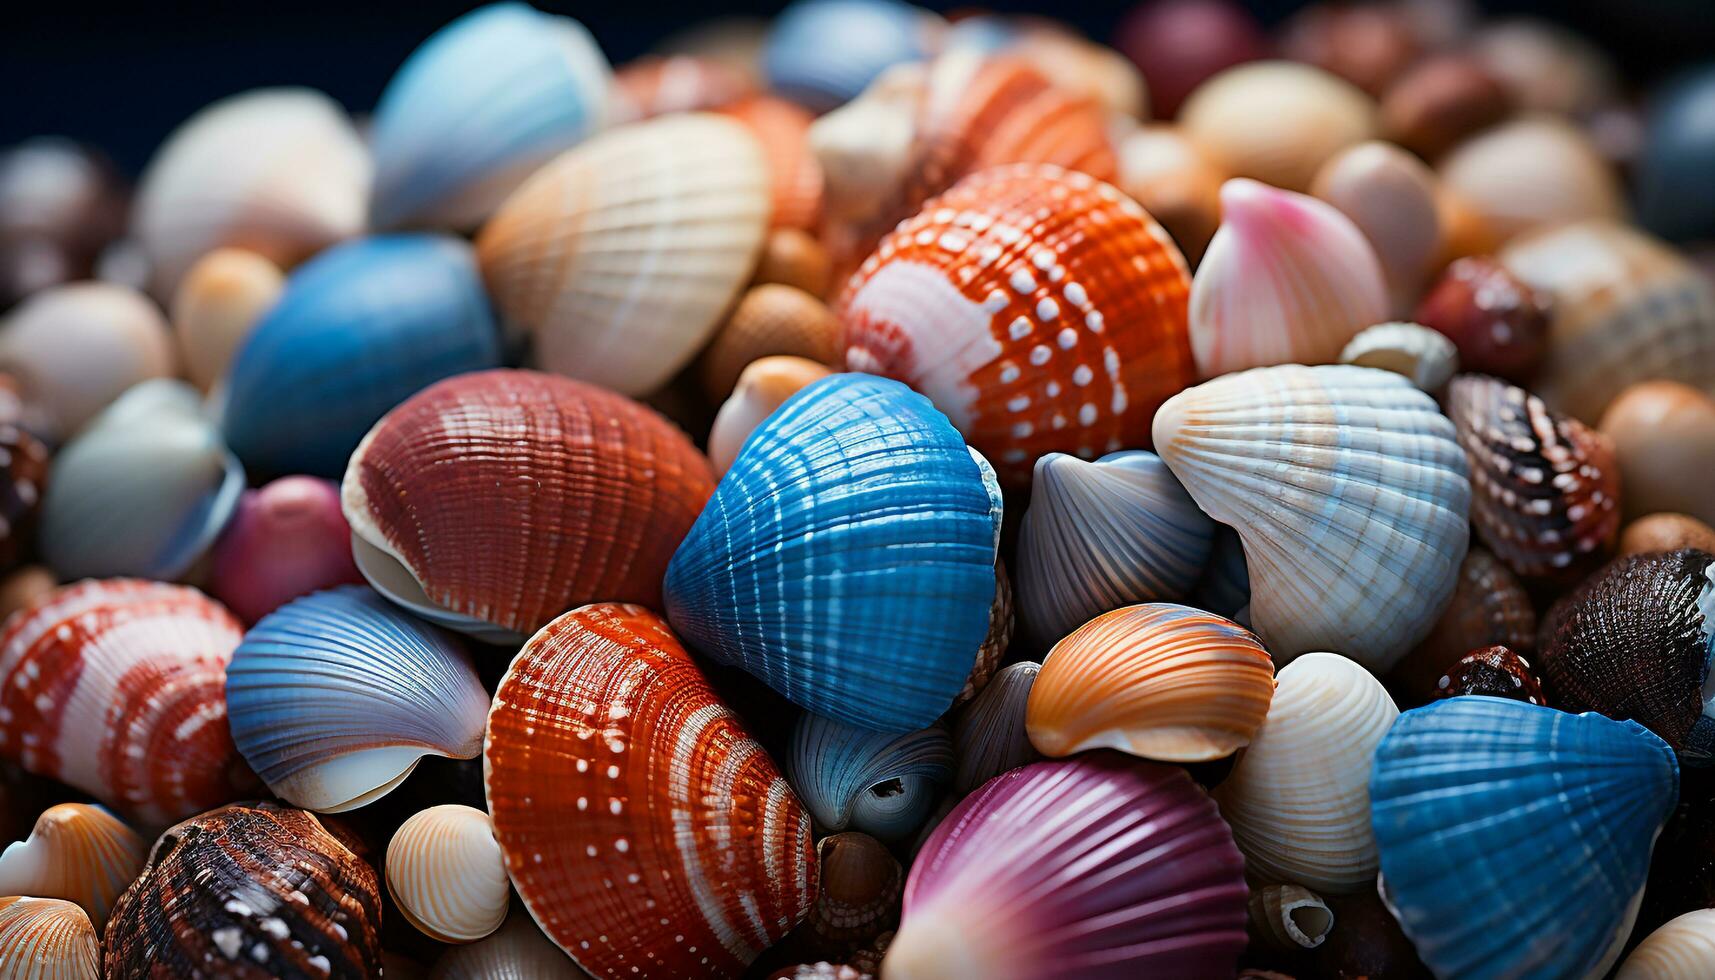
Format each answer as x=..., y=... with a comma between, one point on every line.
x=990, y=736
x=1423, y=356
x=794, y=174
x=1002, y=623
x=1276, y=121
x=858, y=897
x=607, y=749
x=1034, y=334
x=518, y=951
x=875, y=782
x=447, y=875
x=597, y=491
x=116, y=687
x=1683, y=949
x=77, y=852
x=1490, y=607
x=47, y=939
x=1533, y=172
x=762, y=387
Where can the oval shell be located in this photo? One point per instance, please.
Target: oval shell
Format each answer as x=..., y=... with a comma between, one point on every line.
x=1165, y=171
x=1663, y=434
x=447, y=875
x=286, y=539
x=1493, y=671
x=77, y=852
x=1683, y=949
x=219, y=301
x=1277, y=121
x=47, y=939
x=762, y=387
x=1438, y=102
x=1498, y=323
x=1391, y=196
x=1666, y=532
x=23, y=476
x=769, y=320
x=1530, y=173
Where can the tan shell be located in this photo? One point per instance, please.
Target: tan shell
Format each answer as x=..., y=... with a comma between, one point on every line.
x=1683, y=949
x=1290, y=918
x=77, y=852
x=768, y=320
x=1532, y=173
x=518, y=951
x=1666, y=532
x=1390, y=195
x=47, y=939
x=1277, y=121
x=1664, y=437
x=1423, y=355
x=217, y=303
x=1174, y=180
x=763, y=387
x=794, y=258
x=447, y=875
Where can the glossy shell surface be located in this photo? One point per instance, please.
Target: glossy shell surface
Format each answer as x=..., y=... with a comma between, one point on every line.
x=78, y=852
x=447, y=875
x=48, y=939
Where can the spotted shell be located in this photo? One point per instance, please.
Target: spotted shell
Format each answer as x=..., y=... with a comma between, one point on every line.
x=1490, y=607
x=1493, y=671
x=1041, y=310
x=47, y=939
x=1498, y=323
x=77, y=852
x=880, y=783
x=446, y=873
x=607, y=749
x=23, y=474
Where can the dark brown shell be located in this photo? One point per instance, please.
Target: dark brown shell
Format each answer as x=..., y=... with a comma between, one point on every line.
x=1489, y=608
x=820, y=971
x=1498, y=323
x=248, y=891
x=23, y=476
x=1496, y=672
x=859, y=898
x=1366, y=943
x=993, y=651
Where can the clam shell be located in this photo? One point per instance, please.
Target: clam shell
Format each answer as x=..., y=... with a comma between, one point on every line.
x=680, y=809
x=1683, y=949
x=989, y=737
x=858, y=897
x=335, y=698
x=518, y=951
x=1277, y=121
x=47, y=939
x=794, y=173
x=1666, y=532
x=1162, y=169
x=769, y=320
x=805, y=568
x=1495, y=672
x=1349, y=491
x=1425, y=357
x=1489, y=608
x=220, y=300
x=1663, y=434
x=477, y=108
x=1464, y=786
x=821, y=53
x=875, y=782
x=286, y=539
x=1391, y=196
x=762, y=387
x=1498, y=323
x=447, y=875
x=1533, y=172
x=77, y=852
x=603, y=490
x=1290, y=918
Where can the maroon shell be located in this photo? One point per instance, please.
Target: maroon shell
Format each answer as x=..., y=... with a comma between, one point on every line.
x=1496, y=672
x=1489, y=607
x=1498, y=323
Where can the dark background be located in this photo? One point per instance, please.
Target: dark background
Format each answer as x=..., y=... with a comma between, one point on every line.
x=121, y=76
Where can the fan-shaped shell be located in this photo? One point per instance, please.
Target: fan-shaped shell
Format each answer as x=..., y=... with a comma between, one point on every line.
x=1277, y=121
x=477, y=108
x=1349, y=491
x=518, y=951
x=990, y=736
x=447, y=875
x=1098, y=866
x=1530, y=173
x=762, y=387
x=769, y=320
x=596, y=492
x=1663, y=434
x=47, y=939
x=828, y=600
x=619, y=256
x=603, y=715
x=875, y=782
x=1425, y=357
x=794, y=173
x=1391, y=196
x=77, y=852
x=858, y=895
x=1683, y=949
x=220, y=300
x=286, y=539
x=1465, y=786
x=116, y=687
x=1034, y=334
x=821, y=53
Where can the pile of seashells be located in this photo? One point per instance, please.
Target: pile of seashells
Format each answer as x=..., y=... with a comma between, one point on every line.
x=848, y=497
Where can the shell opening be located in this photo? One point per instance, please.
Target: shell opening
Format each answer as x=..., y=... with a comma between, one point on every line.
x=1308, y=923
x=389, y=576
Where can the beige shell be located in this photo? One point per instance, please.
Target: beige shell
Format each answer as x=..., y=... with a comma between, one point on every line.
x=1086, y=68
x=768, y=320
x=447, y=875
x=1424, y=356
x=1277, y=121
x=1531, y=173
x=47, y=939
x=1664, y=438
x=77, y=852
x=518, y=951
x=763, y=387
x=217, y=303
x=792, y=257
x=1391, y=196
x=1174, y=180
x=1290, y=918
x=1682, y=949
x=864, y=146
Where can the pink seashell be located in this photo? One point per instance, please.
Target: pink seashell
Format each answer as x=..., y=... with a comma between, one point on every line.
x=287, y=539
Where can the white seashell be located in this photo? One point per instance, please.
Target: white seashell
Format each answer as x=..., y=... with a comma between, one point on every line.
x=219, y=300
x=1681, y=949
x=446, y=872
x=1410, y=350
x=78, y=852
x=1277, y=121
x=864, y=146
x=1531, y=173
x=763, y=387
x=1291, y=918
x=1391, y=196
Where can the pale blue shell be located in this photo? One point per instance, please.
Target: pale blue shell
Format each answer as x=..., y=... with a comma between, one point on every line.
x=335, y=697
x=359, y=328
x=876, y=782
x=823, y=53
x=1515, y=839
x=847, y=558
x=478, y=108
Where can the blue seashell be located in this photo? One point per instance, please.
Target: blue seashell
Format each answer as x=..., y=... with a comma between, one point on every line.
x=1515, y=839
x=335, y=697
x=1676, y=198
x=847, y=557
x=359, y=329
x=822, y=53
x=876, y=782
x=479, y=107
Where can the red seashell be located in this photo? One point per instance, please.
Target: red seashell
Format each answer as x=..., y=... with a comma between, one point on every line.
x=1040, y=309
x=1178, y=44
x=286, y=540
x=642, y=826
x=794, y=173
x=655, y=85
x=1498, y=323
x=1496, y=672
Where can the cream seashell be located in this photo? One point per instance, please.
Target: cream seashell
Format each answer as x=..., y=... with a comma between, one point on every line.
x=78, y=852
x=1391, y=196
x=1163, y=170
x=217, y=303
x=1531, y=173
x=1290, y=918
x=1682, y=949
x=47, y=939
x=762, y=387
x=1277, y=121
x=1424, y=356
x=864, y=146
x=447, y=875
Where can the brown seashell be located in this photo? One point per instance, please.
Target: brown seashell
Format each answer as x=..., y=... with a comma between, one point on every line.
x=858, y=899
x=1366, y=44
x=1664, y=437
x=1489, y=608
x=1666, y=532
x=1366, y=943
x=1494, y=671
x=1440, y=101
x=795, y=175
x=1546, y=67
x=1498, y=322
x=1289, y=918
x=1390, y=195
x=47, y=939
x=25, y=587
x=794, y=258
x=769, y=320
x=77, y=852
x=655, y=85
x=1175, y=181
x=1465, y=232
x=821, y=971
x=218, y=302
x=518, y=951
x=1179, y=44
x=993, y=651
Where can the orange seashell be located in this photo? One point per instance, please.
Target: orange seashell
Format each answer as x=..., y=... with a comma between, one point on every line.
x=794, y=258
x=1666, y=532
x=642, y=826
x=77, y=852
x=794, y=173
x=769, y=320
x=492, y=502
x=1040, y=309
x=655, y=85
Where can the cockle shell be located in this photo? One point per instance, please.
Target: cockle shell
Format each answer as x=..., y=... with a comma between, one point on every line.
x=286, y=539
x=1464, y=786
x=1098, y=866
x=116, y=687
x=1290, y=918
x=1175, y=181
x=518, y=951
x=1663, y=434
x=1498, y=323
x=47, y=939
x=1391, y=196
x=655, y=85
x=1297, y=798
x=1159, y=680
x=990, y=735
x=858, y=898
x=77, y=852
x=769, y=320
x=822, y=53
x=603, y=716
x=1490, y=607
x=875, y=782
x=1277, y=121
x=794, y=173
x=1494, y=671
x=762, y=387
x=619, y=256
x=1530, y=173
x=1666, y=532
x=1349, y=491
x=1683, y=949
x=1033, y=334
x=220, y=300
x=447, y=875
x=804, y=568
x=1287, y=279
x=335, y=698
x=248, y=891
x=603, y=490
x=1410, y=350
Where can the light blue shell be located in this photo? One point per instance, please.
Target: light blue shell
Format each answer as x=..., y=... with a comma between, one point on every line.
x=479, y=107
x=847, y=557
x=359, y=328
x=876, y=782
x=335, y=697
x=822, y=53
x=1515, y=839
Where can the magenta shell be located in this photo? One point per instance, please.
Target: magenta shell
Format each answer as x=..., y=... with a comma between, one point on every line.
x=286, y=540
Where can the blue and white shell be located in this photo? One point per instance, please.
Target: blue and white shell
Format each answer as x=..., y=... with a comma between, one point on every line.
x=847, y=558
x=876, y=782
x=359, y=328
x=823, y=53
x=1515, y=839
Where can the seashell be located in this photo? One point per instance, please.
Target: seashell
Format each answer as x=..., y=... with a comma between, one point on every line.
x=1532, y=172
x=1425, y=357
x=447, y=875
x=218, y=303
x=1083, y=67
x=1289, y=918
x=875, y=782
x=1067, y=334
x=1225, y=588
x=278, y=171
x=1159, y=680
x=1353, y=533
x=769, y=320
x=858, y=898
x=1287, y=279
x=224, y=889
x=1498, y=323
x=795, y=175
x=585, y=523
x=995, y=643
x=1683, y=949
x=518, y=951
x=73, y=349
x=1493, y=671
x=24, y=587
x=77, y=852
x=1297, y=798
x=285, y=540
x=47, y=939
x=1462, y=784
x=1175, y=181
x=63, y=203
x=1096, y=865
x=1390, y=195
x=721, y=845
x=358, y=329
x=762, y=388
x=143, y=490
x=864, y=150
x=1665, y=532
x=1103, y=535
x=1367, y=45
x=1674, y=199
x=821, y=53
x=477, y=108
x=23, y=473
x=1439, y=102
x=1277, y=121
x=989, y=737
x=656, y=85
x=654, y=229
x=820, y=971
x=1546, y=67
x=1179, y=44
x=1545, y=488
x=877, y=476
x=1663, y=434
x=1489, y=608
x=794, y=258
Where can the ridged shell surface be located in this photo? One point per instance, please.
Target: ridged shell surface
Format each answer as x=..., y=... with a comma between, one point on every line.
x=878, y=783
x=518, y=951
x=858, y=895
x=1490, y=607
x=447, y=875
x=78, y=852
x=821, y=53
x=47, y=939
x=1683, y=949
x=770, y=319
x=990, y=735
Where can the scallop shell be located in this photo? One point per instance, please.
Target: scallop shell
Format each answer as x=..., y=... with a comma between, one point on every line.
x=769, y=320
x=1290, y=918
x=1425, y=357
x=1277, y=121
x=1391, y=196
x=620, y=256
x=1100, y=865
x=1034, y=335
x=477, y=108
x=1533, y=172
x=1349, y=491
x=858, y=898
x=287, y=539
x=794, y=174
x=603, y=490
x=1663, y=434
x=821, y=53
x=989, y=737
x=249, y=891
x=1683, y=949
x=47, y=939
x=1175, y=181
x=447, y=875
x=77, y=852
x=762, y=388
x=717, y=850
x=875, y=782
x=805, y=568
x=220, y=300
x=1103, y=535
x=1464, y=786
x=1499, y=324
x=518, y=951
x=1490, y=607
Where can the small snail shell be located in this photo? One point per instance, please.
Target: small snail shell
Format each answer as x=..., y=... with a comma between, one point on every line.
x=1531, y=173
x=1289, y=917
